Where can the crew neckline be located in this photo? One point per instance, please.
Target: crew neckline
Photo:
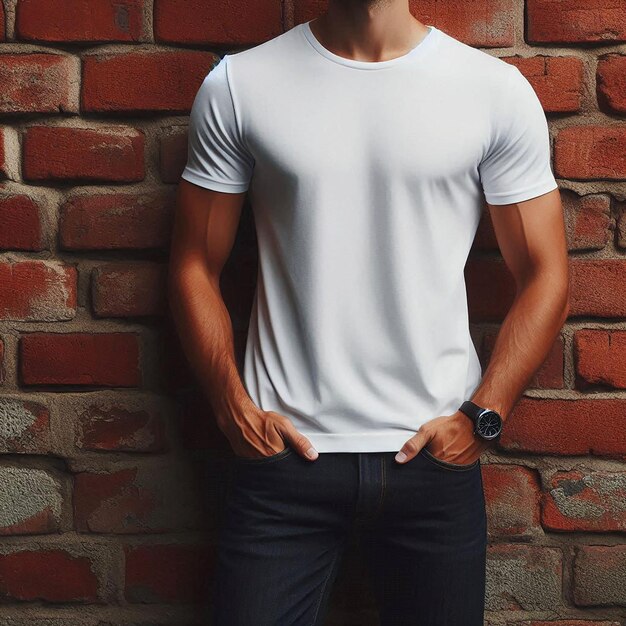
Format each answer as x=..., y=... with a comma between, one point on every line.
x=426, y=42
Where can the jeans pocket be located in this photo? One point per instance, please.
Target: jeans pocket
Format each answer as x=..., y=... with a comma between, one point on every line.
x=455, y=467
x=265, y=459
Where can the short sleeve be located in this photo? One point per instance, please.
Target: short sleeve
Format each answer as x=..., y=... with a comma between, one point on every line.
x=516, y=165
x=217, y=158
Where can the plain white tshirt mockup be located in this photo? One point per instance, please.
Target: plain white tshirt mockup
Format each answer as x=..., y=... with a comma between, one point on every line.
x=367, y=181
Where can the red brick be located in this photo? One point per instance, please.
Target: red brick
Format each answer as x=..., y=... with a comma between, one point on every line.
x=116, y=221
x=512, y=497
x=611, y=81
x=213, y=22
x=84, y=21
x=120, y=429
x=37, y=291
x=576, y=21
x=99, y=359
x=21, y=224
x=571, y=427
x=39, y=83
x=598, y=287
x=52, y=575
x=588, y=220
x=173, y=155
x=558, y=81
x=168, y=573
x=524, y=578
x=135, y=82
x=600, y=358
x=2, y=23
x=590, y=152
x=550, y=373
x=26, y=427
x=129, y=289
x=592, y=501
x=108, y=154
x=36, y=501
x=599, y=574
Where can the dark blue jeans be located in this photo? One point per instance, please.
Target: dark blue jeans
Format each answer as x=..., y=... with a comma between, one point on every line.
x=421, y=525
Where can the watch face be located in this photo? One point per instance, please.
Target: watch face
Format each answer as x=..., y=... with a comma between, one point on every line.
x=489, y=424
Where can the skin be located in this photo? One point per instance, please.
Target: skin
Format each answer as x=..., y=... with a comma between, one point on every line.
x=531, y=236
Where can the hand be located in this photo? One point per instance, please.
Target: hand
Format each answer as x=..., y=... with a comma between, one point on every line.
x=452, y=440
x=258, y=433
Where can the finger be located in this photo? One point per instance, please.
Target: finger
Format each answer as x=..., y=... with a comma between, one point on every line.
x=299, y=443
x=412, y=447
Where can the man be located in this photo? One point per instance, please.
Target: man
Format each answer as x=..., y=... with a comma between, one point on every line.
x=369, y=143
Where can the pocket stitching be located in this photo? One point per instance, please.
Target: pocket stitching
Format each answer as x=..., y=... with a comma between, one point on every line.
x=265, y=459
x=454, y=467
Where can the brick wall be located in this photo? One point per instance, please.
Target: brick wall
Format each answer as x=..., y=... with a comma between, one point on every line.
x=112, y=473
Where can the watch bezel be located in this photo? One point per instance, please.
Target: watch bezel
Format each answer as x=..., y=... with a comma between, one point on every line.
x=480, y=417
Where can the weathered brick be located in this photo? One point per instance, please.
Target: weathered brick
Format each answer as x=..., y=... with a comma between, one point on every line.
x=135, y=82
x=93, y=21
x=129, y=289
x=53, y=575
x=598, y=288
x=39, y=83
x=600, y=358
x=136, y=500
x=24, y=426
x=587, y=152
x=168, y=573
x=523, y=578
x=37, y=291
x=512, y=497
x=576, y=21
x=32, y=502
x=599, y=574
x=589, y=223
x=109, y=154
x=550, y=373
x=611, y=81
x=592, y=501
x=213, y=22
x=21, y=224
x=98, y=359
x=558, y=81
x=578, y=426
x=115, y=427
x=116, y=221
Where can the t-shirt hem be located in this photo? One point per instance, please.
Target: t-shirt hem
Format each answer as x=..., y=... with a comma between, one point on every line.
x=377, y=441
x=215, y=185
x=509, y=197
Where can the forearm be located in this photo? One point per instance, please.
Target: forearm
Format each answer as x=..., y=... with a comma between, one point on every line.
x=205, y=330
x=523, y=343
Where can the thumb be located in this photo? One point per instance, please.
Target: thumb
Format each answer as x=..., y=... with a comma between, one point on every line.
x=299, y=442
x=411, y=447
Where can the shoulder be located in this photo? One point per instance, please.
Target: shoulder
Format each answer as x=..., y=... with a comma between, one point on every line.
x=469, y=64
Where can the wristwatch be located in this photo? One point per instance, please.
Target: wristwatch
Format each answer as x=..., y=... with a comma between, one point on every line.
x=487, y=422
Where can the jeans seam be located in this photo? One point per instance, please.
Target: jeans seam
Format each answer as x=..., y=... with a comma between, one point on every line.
x=382, y=489
x=330, y=571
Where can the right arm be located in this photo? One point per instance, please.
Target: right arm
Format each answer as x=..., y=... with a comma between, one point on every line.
x=205, y=226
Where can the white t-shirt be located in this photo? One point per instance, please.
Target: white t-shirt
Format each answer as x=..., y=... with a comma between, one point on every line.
x=366, y=180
